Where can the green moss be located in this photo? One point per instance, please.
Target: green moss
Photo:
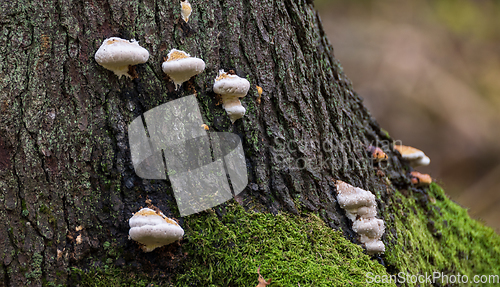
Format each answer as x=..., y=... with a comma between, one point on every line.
x=386, y=133
x=289, y=249
x=433, y=234
x=109, y=276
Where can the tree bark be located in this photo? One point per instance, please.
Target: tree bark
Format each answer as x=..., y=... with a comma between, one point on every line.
x=67, y=181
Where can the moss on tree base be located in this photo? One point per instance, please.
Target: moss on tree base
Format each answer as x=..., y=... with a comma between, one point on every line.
x=431, y=233
x=426, y=233
x=292, y=250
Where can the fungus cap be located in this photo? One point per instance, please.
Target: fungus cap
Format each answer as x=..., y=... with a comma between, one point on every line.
x=374, y=246
x=118, y=54
x=153, y=229
x=371, y=227
x=366, y=211
x=351, y=197
x=231, y=88
x=415, y=156
x=377, y=153
x=180, y=66
x=259, y=90
x=228, y=85
x=420, y=179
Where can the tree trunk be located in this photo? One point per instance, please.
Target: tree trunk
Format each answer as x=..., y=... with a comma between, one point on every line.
x=66, y=176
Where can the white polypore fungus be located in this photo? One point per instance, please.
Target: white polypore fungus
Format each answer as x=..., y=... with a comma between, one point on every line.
x=374, y=246
x=369, y=227
x=360, y=207
x=152, y=229
x=415, y=156
x=355, y=201
x=185, y=10
x=180, y=66
x=231, y=88
x=118, y=54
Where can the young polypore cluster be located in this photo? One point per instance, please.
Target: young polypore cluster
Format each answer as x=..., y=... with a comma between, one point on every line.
x=152, y=229
x=118, y=54
x=180, y=66
x=231, y=88
x=361, y=209
x=416, y=158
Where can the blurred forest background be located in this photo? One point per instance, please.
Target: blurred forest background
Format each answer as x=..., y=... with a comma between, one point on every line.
x=429, y=71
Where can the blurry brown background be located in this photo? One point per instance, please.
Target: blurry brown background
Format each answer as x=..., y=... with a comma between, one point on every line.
x=429, y=71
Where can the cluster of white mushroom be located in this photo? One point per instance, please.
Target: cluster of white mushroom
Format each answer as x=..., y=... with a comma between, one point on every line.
x=118, y=55
x=361, y=209
x=150, y=227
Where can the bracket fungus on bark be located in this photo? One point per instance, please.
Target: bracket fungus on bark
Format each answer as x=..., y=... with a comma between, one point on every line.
x=231, y=88
x=185, y=10
x=180, y=66
x=152, y=229
x=118, y=54
x=360, y=207
x=420, y=179
x=377, y=153
x=415, y=156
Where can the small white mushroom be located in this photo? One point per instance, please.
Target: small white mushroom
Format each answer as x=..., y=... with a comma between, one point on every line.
x=153, y=229
x=415, y=156
x=185, y=10
x=231, y=88
x=180, y=66
x=118, y=54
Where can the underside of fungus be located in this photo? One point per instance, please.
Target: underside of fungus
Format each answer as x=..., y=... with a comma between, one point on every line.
x=118, y=54
x=360, y=207
x=231, y=88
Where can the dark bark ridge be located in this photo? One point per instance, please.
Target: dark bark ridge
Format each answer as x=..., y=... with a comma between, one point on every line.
x=67, y=182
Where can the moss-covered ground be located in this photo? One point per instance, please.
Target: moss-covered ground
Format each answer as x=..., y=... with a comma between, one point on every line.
x=425, y=232
x=434, y=234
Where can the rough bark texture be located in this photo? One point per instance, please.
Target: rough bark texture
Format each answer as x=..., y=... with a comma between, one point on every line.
x=67, y=183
